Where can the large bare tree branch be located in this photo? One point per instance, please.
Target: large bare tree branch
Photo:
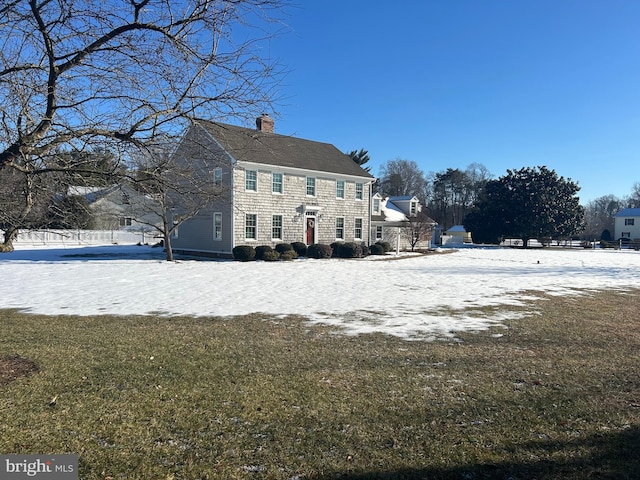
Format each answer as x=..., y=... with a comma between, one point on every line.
x=81, y=75
x=128, y=69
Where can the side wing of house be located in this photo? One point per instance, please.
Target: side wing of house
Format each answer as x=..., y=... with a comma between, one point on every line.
x=210, y=231
x=399, y=221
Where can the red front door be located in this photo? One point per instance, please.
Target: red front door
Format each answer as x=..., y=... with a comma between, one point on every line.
x=311, y=230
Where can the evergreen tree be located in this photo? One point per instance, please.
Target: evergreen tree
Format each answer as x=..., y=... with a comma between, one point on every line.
x=530, y=203
x=361, y=157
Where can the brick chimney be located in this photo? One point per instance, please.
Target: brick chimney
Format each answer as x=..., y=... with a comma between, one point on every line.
x=265, y=123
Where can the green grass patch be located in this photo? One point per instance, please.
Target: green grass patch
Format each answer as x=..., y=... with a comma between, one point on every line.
x=556, y=395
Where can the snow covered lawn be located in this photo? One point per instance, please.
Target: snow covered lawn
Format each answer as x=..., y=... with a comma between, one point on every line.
x=418, y=297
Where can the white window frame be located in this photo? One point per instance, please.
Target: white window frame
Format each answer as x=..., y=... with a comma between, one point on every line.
x=629, y=222
x=376, y=206
x=279, y=183
x=217, y=226
x=359, y=191
x=340, y=189
x=378, y=232
x=340, y=228
x=311, y=186
x=217, y=177
x=126, y=221
x=275, y=219
x=413, y=209
x=251, y=182
x=357, y=230
x=254, y=217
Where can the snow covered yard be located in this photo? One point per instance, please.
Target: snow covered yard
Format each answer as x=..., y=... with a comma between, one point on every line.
x=414, y=298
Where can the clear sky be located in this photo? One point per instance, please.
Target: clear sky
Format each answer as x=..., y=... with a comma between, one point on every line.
x=446, y=83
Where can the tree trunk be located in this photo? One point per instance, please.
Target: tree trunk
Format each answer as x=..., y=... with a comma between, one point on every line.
x=167, y=238
x=9, y=236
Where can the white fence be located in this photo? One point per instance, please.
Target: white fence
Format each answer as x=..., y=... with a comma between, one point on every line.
x=82, y=237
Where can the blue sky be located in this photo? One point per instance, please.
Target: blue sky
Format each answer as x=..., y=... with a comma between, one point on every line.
x=446, y=83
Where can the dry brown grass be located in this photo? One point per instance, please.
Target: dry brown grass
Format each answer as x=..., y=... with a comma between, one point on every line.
x=553, y=396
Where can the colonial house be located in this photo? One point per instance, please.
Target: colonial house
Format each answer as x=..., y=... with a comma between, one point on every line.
x=627, y=224
x=273, y=189
x=399, y=221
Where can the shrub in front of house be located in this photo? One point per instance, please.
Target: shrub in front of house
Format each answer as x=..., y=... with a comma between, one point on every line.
x=366, y=251
x=348, y=250
x=300, y=248
x=272, y=256
x=376, y=249
x=335, y=248
x=288, y=255
x=244, y=253
x=261, y=250
x=385, y=245
x=319, y=250
x=286, y=249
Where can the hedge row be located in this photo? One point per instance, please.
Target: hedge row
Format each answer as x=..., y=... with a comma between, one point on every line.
x=289, y=251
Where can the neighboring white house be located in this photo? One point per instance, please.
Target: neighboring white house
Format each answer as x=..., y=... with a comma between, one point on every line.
x=119, y=208
x=273, y=189
x=399, y=221
x=627, y=224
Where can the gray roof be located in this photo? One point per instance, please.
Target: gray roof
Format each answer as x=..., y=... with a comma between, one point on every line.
x=628, y=212
x=245, y=144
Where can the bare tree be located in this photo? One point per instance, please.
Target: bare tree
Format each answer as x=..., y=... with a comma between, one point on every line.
x=634, y=198
x=401, y=177
x=21, y=203
x=85, y=75
x=599, y=216
x=172, y=191
x=418, y=228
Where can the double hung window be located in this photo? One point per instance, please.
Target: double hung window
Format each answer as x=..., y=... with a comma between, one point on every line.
x=251, y=226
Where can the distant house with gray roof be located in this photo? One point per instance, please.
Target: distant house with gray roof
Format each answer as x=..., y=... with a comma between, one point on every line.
x=273, y=189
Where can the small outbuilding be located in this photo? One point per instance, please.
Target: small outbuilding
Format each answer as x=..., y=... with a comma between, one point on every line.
x=456, y=235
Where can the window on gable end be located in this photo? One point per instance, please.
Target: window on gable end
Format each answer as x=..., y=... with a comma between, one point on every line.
x=376, y=206
x=217, y=177
x=217, y=226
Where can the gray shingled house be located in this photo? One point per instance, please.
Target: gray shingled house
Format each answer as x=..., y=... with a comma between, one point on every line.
x=273, y=189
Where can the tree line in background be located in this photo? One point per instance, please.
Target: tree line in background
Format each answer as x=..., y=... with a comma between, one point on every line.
x=530, y=203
